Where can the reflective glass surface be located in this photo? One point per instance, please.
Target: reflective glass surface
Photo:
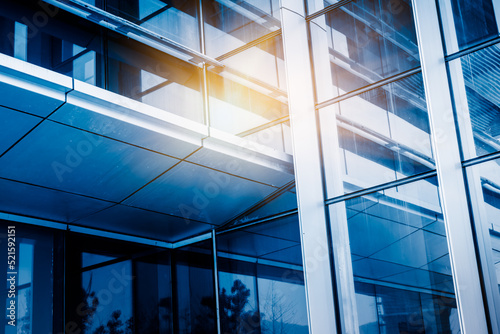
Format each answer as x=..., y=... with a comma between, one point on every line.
x=193, y=272
x=476, y=82
x=261, y=287
x=176, y=20
x=232, y=24
x=152, y=77
x=383, y=134
x=76, y=47
x=467, y=22
x=367, y=42
x=400, y=260
x=30, y=290
x=248, y=110
x=117, y=287
x=484, y=187
x=260, y=65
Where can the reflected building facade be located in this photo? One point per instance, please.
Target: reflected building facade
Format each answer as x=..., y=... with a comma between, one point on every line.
x=221, y=166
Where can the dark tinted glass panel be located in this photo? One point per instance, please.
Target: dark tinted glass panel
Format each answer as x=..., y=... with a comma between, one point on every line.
x=117, y=287
x=30, y=290
x=467, y=22
x=383, y=134
x=64, y=43
x=475, y=81
x=76, y=47
x=176, y=20
x=398, y=244
x=194, y=281
x=369, y=41
x=231, y=24
x=261, y=284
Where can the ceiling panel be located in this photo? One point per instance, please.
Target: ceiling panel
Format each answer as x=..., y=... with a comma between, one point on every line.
x=142, y=223
x=64, y=158
x=199, y=193
x=244, y=167
x=29, y=97
x=130, y=129
x=14, y=125
x=45, y=203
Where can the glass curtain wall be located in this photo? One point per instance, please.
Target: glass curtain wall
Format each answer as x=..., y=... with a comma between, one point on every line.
x=376, y=141
x=245, y=96
x=261, y=283
x=119, y=287
x=471, y=32
x=31, y=274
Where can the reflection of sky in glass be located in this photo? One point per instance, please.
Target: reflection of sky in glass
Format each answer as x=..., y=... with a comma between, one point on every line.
x=226, y=281
x=25, y=259
x=113, y=294
x=282, y=301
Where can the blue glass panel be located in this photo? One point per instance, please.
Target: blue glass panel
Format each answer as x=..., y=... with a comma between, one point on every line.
x=90, y=53
x=195, y=300
x=479, y=80
x=261, y=284
x=384, y=134
x=30, y=289
x=174, y=19
x=369, y=41
x=473, y=21
x=397, y=248
x=231, y=24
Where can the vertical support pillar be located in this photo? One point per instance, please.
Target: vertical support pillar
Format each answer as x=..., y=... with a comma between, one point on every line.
x=449, y=170
x=308, y=170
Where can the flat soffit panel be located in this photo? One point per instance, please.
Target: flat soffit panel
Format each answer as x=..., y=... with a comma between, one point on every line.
x=126, y=131
x=195, y=192
x=273, y=175
x=14, y=125
x=27, y=100
x=142, y=223
x=29, y=200
x=64, y=158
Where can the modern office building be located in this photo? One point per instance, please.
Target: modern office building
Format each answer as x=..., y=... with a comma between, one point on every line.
x=258, y=166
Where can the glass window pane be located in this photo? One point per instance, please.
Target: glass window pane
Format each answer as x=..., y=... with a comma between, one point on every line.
x=194, y=275
x=261, y=283
x=400, y=257
x=232, y=24
x=152, y=77
x=117, y=287
x=368, y=41
x=176, y=20
x=467, y=22
x=475, y=78
x=30, y=285
x=484, y=186
x=247, y=110
x=383, y=134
